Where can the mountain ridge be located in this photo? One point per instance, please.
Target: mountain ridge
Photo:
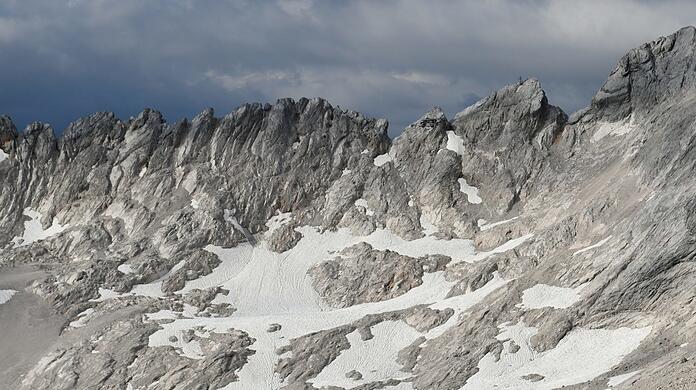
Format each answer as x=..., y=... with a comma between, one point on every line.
x=297, y=246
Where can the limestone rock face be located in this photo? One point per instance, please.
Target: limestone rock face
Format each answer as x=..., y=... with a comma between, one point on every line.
x=296, y=246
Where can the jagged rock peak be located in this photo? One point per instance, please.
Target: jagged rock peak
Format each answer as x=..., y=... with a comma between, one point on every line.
x=518, y=112
x=8, y=131
x=648, y=75
x=434, y=114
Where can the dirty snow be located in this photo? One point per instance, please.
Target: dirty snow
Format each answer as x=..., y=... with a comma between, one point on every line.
x=589, y=248
x=471, y=192
x=543, y=295
x=618, y=128
x=6, y=295
x=619, y=379
x=34, y=231
x=583, y=354
x=382, y=159
x=455, y=143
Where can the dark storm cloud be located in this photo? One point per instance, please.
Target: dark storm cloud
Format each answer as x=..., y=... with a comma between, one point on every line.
x=60, y=60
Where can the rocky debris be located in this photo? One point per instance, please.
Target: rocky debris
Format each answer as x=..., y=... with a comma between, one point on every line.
x=362, y=274
x=202, y=298
x=424, y=318
x=533, y=377
x=197, y=264
x=273, y=328
x=354, y=375
x=284, y=238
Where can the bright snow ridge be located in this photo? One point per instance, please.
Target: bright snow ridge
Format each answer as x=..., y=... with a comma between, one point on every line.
x=589, y=248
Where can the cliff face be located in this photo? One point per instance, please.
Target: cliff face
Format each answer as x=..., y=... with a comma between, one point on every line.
x=296, y=246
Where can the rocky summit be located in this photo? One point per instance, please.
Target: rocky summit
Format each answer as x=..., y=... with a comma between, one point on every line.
x=296, y=246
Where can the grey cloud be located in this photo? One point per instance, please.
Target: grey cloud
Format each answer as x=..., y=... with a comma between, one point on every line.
x=393, y=59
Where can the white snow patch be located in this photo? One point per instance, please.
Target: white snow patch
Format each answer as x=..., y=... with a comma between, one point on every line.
x=583, y=354
x=597, y=245
x=484, y=225
x=345, y=172
x=195, y=204
x=363, y=203
x=34, y=231
x=6, y=295
x=82, y=318
x=3, y=155
x=104, y=294
x=471, y=192
x=375, y=359
x=618, y=379
x=543, y=295
x=621, y=127
x=125, y=268
x=684, y=345
x=455, y=143
x=382, y=159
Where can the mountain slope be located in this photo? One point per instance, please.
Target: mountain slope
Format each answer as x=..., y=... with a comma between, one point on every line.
x=296, y=246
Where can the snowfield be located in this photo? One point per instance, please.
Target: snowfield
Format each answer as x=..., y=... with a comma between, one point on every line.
x=268, y=288
x=375, y=359
x=582, y=355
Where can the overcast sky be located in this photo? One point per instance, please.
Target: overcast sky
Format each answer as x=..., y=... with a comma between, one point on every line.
x=63, y=59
